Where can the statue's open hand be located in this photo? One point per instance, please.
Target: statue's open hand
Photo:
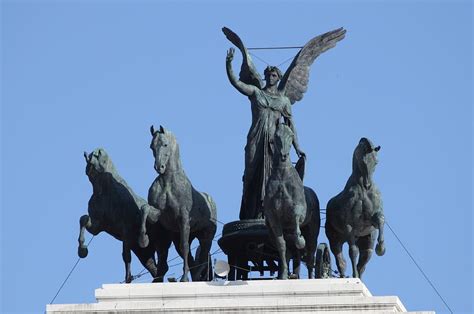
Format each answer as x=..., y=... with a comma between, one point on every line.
x=230, y=54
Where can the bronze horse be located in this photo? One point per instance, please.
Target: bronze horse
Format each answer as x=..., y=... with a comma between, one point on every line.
x=355, y=214
x=291, y=210
x=115, y=209
x=182, y=211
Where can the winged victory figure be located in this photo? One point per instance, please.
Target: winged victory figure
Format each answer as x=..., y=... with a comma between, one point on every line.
x=270, y=104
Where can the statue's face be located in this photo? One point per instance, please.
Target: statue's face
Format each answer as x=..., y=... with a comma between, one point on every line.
x=272, y=78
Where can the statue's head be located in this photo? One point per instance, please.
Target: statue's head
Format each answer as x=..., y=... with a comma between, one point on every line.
x=283, y=141
x=272, y=75
x=98, y=162
x=163, y=144
x=365, y=157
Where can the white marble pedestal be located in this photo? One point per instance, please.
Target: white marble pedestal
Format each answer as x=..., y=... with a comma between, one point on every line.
x=277, y=296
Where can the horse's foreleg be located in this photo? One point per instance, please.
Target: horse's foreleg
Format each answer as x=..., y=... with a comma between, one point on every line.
x=297, y=264
x=276, y=232
x=353, y=250
x=83, y=222
x=93, y=227
x=184, y=239
x=379, y=221
x=143, y=240
x=365, y=245
x=127, y=259
x=336, y=249
x=150, y=214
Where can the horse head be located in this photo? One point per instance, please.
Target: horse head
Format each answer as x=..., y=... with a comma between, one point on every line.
x=283, y=142
x=164, y=147
x=98, y=162
x=364, y=160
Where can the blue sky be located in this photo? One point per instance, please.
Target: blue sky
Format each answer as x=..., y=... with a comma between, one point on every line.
x=77, y=75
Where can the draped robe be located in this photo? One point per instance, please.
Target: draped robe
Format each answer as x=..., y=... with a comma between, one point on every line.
x=267, y=111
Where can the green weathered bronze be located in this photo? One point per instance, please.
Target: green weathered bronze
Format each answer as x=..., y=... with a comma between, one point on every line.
x=270, y=103
x=178, y=208
x=115, y=209
x=355, y=214
x=291, y=209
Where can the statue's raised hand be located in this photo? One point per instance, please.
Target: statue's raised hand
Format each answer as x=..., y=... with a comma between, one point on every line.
x=230, y=55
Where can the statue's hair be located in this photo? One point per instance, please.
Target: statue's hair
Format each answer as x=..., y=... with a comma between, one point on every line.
x=272, y=68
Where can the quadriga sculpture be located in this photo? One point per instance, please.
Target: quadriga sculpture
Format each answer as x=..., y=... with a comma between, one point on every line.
x=178, y=207
x=355, y=214
x=115, y=209
x=291, y=210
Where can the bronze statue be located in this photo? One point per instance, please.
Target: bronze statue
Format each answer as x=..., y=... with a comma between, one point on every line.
x=115, y=209
x=270, y=104
x=355, y=214
x=291, y=210
x=180, y=209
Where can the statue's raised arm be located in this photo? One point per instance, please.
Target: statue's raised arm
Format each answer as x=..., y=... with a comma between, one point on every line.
x=295, y=80
x=248, y=73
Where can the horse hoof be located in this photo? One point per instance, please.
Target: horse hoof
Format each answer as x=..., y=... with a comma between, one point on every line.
x=380, y=249
x=300, y=243
x=143, y=241
x=184, y=279
x=82, y=252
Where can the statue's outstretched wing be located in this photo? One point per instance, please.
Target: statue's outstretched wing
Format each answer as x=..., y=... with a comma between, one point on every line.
x=295, y=81
x=248, y=72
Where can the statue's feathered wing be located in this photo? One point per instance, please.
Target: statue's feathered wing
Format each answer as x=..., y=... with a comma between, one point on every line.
x=248, y=72
x=295, y=81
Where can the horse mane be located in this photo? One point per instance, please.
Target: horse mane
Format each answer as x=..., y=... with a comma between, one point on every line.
x=111, y=172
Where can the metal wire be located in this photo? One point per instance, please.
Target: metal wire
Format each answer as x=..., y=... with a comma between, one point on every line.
x=419, y=268
x=69, y=275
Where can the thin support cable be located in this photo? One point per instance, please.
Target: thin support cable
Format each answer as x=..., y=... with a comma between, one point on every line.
x=290, y=58
x=141, y=273
x=253, y=55
x=419, y=268
x=275, y=48
x=69, y=275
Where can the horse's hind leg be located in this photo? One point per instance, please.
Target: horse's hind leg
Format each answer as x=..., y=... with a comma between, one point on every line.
x=147, y=259
x=127, y=259
x=202, y=260
x=310, y=233
x=365, y=245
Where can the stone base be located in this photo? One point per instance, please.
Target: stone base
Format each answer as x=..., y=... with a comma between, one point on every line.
x=282, y=296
